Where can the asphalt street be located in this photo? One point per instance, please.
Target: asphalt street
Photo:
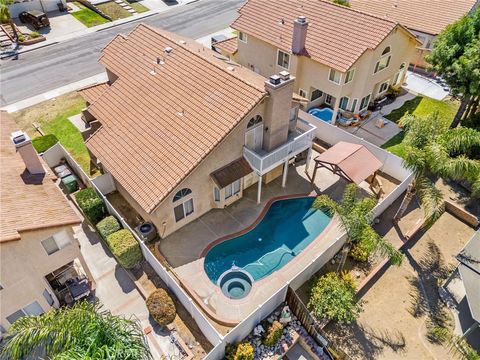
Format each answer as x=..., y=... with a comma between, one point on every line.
x=51, y=67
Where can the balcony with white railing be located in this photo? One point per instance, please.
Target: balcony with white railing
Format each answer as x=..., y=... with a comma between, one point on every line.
x=298, y=141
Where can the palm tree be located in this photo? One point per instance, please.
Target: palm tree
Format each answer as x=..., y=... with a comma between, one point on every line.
x=5, y=16
x=83, y=331
x=433, y=148
x=356, y=217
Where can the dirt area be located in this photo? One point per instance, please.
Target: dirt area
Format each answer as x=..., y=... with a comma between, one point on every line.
x=184, y=324
x=125, y=209
x=400, y=304
x=459, y=195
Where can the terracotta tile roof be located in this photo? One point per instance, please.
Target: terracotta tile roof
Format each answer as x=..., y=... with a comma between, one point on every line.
x=228, y=45
x=92, y=93
x=337, y=36
x=167, y=110
x=27, y=202
x=428, y=16
x=231, y=172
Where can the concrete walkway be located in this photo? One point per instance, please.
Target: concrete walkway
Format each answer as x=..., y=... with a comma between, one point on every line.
x=117, y=291
x=419, y=84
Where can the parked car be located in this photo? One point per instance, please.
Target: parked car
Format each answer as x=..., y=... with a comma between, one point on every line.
x=37, y=18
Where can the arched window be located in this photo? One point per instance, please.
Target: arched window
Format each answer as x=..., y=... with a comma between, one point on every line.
x=182, y=193
x=254, y=121
x=386, y=50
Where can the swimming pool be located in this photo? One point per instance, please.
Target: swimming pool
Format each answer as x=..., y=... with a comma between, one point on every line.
x=324, y=114
x=287, y=228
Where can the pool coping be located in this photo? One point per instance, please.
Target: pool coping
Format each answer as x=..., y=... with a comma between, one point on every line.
x=257, y=284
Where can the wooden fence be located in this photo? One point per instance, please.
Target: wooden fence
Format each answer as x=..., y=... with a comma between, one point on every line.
x=312, y=326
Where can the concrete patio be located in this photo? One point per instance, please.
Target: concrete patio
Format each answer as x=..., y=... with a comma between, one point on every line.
x=183, y=249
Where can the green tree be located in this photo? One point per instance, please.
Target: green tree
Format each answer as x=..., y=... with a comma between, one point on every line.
x=356, y=218
x=432, y=148
x=456, y=57
x=333, y=297
x=83, y=331
x=6, y=17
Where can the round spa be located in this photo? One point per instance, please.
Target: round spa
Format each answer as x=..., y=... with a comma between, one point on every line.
x=235, y=283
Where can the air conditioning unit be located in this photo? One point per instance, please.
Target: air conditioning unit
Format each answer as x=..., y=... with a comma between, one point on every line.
x=147, y=231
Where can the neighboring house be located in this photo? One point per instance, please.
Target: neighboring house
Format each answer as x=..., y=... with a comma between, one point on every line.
x=183, y=130
x=41, y=5
x=341, y=58
x=425, y=18
x=38, y=250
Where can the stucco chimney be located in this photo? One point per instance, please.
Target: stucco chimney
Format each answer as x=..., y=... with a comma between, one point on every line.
x=300, y=26
x=24, y=147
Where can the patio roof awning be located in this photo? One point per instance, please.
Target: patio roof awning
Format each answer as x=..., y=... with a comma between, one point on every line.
x=354, y=162
x=231, y=172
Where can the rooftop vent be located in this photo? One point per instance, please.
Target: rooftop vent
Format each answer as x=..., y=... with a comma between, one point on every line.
x=275, y=80
x=231, y=68
x=168, y=49
x=284, y=75
x=183, y=42
x=160, y=61
x=302, y=19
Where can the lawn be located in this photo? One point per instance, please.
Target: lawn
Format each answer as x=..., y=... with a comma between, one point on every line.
x=138, y=7
x=53, y=117
x=88, y=17
x=113, y=10
x=419, y=106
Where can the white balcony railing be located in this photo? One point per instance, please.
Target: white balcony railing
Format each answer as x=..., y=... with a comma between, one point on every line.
x=263, y=163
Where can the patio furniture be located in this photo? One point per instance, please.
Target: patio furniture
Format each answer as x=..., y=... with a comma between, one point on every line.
x=78, y=288
x=343, y=121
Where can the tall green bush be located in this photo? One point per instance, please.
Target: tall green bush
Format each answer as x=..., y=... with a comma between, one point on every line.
x=125, y=248
x=108, y=226
x=91, y=204
x=273, y=334
x=161, y=307
x=43, y=143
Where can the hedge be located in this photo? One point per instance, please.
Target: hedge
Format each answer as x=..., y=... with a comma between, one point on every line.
x=108, y=226
x=43, y=143
x=125, y=248
x=161, y=307
x=241, y=351
x=91, y=204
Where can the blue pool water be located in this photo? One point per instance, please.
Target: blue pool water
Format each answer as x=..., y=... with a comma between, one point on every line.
x=288, y=227
x=324, y=114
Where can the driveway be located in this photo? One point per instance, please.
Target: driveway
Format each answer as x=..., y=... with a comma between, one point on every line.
x=117, y=291
x=423, y=85
x=61, y=24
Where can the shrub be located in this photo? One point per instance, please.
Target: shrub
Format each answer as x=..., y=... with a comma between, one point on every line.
x=108, y=226
x=91, y=204
x=43, y=143
x=361, y=251
x=333, y=297
x=21, y=37
x=241, y=351
x=273, y=334
x=34, y=35
x=161, y=307
x=125, y=248
x=438, y=334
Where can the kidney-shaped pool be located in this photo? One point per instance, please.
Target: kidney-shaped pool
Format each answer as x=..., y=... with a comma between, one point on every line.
x=287, y=228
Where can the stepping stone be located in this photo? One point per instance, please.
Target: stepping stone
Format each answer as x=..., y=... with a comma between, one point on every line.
x=132, y=11
x=127, y=7
x=118, y=1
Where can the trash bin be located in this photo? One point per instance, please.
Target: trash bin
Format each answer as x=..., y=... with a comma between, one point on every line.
x=70, y=183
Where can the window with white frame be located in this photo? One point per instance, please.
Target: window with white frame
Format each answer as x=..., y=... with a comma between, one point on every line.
x=33, y=308
x=242, y=37
x=384, y=60
x=232, y=189
x=335, y=76
x=48, y=297
x=364, y=103
x=316, y=94
x=354, y=105
x=283, y=59
x=383, y=87
x=56, y=242
x=349, y=76
x=302, y=93
x=293, y=113
x=328, y=99
x=216, y=194
x=185, y=208
x=344, y=103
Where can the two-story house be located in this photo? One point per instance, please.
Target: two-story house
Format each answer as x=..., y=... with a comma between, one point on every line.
x=341, y=58
x=424, y=18
x=183, y=130
x=39, y=254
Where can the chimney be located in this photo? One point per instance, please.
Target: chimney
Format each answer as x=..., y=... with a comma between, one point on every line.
x=300, y=26
x=24, y=146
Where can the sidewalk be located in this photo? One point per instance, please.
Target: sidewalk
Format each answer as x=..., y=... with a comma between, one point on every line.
x=156, y=7
x=117, y=291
